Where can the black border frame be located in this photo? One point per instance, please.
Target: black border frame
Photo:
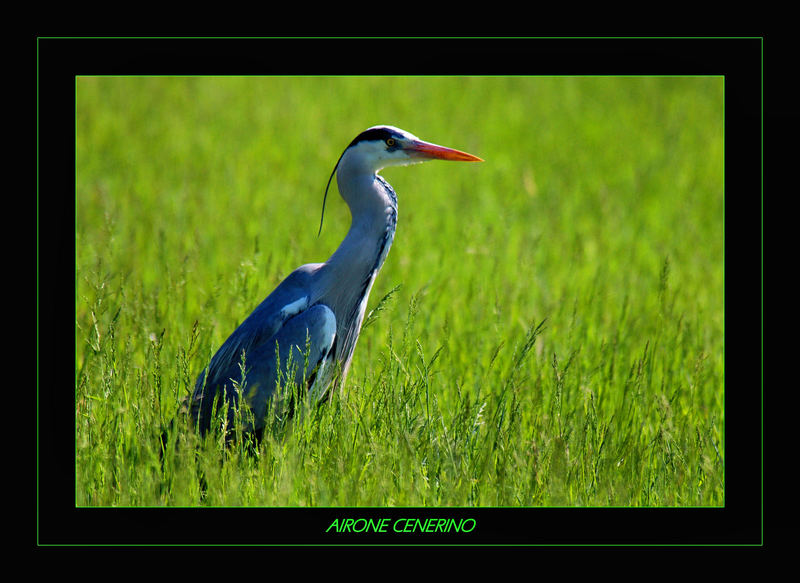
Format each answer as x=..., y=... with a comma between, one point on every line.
x=60, y=59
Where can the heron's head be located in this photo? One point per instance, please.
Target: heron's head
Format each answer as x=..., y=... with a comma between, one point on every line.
x=381, y=146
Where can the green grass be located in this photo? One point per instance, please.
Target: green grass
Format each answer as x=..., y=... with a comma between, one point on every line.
x=556, y=338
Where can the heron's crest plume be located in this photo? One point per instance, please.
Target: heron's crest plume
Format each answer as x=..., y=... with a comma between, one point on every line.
x=324, y=198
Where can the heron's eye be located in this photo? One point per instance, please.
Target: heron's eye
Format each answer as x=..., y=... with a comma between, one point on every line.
x=390, y=142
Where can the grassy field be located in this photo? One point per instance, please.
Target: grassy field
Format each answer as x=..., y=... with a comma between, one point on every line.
x=555, y=332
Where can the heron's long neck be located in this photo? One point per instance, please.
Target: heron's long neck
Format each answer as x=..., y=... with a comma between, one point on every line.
x=350, y=272
x=373, y=207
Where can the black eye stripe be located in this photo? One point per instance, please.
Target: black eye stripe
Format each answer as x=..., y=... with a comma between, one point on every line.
x=378, y=134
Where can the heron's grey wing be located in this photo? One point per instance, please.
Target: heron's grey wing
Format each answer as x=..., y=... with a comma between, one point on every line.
x=253, y=338
x=295, y=356
x=291, y=356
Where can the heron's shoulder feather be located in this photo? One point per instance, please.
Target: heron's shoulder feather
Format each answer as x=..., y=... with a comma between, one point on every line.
x=290, y=298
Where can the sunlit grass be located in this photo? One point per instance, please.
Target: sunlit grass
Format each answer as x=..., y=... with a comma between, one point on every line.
x=556, y=337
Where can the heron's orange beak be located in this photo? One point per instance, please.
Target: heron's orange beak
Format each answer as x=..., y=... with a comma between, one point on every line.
x=432, y=151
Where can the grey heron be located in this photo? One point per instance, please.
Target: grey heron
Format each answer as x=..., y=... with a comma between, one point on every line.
x=313, y=317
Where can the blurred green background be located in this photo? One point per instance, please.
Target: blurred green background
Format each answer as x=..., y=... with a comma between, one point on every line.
x=599, y=208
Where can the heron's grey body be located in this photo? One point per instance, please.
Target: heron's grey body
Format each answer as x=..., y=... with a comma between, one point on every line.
x=317, y=311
